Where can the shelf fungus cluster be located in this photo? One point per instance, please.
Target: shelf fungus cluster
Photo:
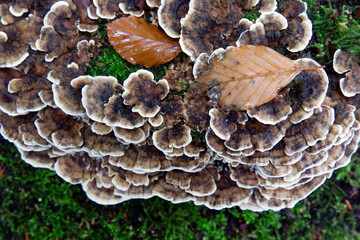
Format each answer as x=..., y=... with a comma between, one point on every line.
x=257, y=131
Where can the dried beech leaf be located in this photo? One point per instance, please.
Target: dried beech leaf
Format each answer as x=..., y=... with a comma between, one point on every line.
x=140, y=43
x=249, y=75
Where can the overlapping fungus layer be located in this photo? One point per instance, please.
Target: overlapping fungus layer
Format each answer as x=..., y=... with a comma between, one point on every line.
x=172, y=138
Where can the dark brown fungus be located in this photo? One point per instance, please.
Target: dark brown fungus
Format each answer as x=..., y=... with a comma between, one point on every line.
x=144, y=93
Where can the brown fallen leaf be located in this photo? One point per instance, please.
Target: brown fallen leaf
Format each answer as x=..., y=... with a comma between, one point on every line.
x=249, y=75
x=140, y=43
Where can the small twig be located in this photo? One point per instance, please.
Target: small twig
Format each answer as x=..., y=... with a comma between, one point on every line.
x=348, y=205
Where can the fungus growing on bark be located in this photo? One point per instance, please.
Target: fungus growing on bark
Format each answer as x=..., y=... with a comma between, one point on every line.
x=139, y=139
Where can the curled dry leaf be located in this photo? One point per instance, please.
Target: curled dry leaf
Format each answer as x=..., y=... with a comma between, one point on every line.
x=140, y=43
x=249, y=75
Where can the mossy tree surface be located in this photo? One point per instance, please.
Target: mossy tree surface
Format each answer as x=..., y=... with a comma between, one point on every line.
x=36, y=204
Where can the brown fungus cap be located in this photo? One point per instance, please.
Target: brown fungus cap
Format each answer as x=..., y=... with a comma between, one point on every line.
x=345, y=117
x=244, y=176
x=227, y=195
x=197, y=184
x=205, y=28
x=310, y=88
x=117, y=114
x=153, y=3
x=31, y=137
x=59, y=129
x=295, y=194
x=37, y=159
x=18, y=103
x=345, y=62
x=323, y=145
x=84, y=9
x=15, y=40
x=214, y=143
x=156, y=121
x=271, y=171
x=139, y=159
x=306, y=162
x=220, y=123
x=100, y=128
x=170, y=13
x=239, y=140
x=169, y=137
x=264, y=137
x=137, y=179
x=133, y=7
x=96, y=92
x=103, y=196
x=5, y=16
x=272, y=203
x=272, y=112
x=144, y=93
x=298, y=34
x=77, y=168
x=195, y=148
x=9, y=129
x=107, y=9
x=18, y=8
x=308, y=132
x=292, y=8
x=255, y=35
x=53, y=43
x=47, y=97
x=60, y=17
x=273, y=23
x=266, y=5
x=136, y=135
x=67, y=98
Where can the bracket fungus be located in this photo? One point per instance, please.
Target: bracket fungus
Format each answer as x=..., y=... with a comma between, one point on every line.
x=209, y=131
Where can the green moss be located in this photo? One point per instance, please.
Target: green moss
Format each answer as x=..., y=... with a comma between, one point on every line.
x=109, y=63
x=252, y=15
x=333, y=28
